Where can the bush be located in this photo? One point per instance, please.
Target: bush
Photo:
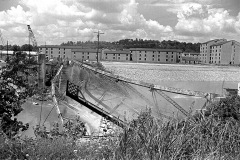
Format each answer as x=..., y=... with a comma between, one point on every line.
x=215, y=135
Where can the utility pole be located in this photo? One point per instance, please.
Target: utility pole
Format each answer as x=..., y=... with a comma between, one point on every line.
x=29, y=44
x=98, y=35
x=7, y=50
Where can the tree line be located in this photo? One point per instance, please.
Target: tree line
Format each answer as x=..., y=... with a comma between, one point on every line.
x=119, y=45
x=15, y=48
x=138, y=43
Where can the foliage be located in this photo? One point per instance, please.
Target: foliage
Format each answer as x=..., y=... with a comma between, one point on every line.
x=138, y=43
x=215, y=135
x=15, y=87
x=28, y=148
x=72, y=129
x=225, y=109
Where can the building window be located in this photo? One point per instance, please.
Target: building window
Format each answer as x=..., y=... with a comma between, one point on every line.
x=113, y=57
x=74, y=56
x=118, y=57
x=126, y=58
x=139, y=51
x=87, y=57
x=158, y=59
x=139, y=58
x=172, y=56
x=139, y=55
x=113, y=54
x=153, y=51
x=145, y=51
x=82, y=57
x=152, y=55
x=153, y=59
x=166, y=60
x=145, y=59
x=145, y=55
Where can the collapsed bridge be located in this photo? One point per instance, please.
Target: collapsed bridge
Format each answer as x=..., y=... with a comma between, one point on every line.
x=119, y=99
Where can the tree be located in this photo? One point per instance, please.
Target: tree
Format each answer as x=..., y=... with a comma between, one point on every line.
x=26, y=47
x=15, y=87
x=16, y=48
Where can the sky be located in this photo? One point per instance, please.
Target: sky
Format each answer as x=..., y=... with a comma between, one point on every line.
x=57, y=21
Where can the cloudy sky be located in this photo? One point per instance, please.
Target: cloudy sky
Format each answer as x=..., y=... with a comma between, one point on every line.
x=57, y=21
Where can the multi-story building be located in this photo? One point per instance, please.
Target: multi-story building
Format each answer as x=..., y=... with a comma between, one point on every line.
x=225, y=52
x=150, y=55
x=113, y=55
x=86, y=54
x=70, y=52
x=205, y=49
x=190, y=58
x=220, y=51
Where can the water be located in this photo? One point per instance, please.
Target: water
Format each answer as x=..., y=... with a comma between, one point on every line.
x=198, y=78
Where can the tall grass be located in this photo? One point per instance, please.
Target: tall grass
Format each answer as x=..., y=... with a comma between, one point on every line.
x=215, y=135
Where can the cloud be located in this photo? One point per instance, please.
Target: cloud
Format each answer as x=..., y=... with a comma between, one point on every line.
x=56, y=21
x=200, y=21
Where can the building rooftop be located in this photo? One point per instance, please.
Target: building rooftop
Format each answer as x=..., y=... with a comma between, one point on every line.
x=191, y=53
x=59, y=46
x=11, y=52
x=155, y=49
x=220, y=43
x=86, y=50
x=117, y=52
x=214, y=40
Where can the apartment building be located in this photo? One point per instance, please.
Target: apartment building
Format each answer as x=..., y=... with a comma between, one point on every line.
x=205, y=50
x=150, y=55
x=225, y=53
x=220, y=52
x=69, y=52
x=113, y=55
x=191, y=58
x=86, y=54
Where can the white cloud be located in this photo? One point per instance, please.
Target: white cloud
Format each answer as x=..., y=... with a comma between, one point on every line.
x=56, y=21
x=214, y=22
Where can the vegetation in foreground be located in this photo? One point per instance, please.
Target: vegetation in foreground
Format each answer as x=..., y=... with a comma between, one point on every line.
x=215, y=135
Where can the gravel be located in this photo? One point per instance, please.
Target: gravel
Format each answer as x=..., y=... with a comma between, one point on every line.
x=173, y=72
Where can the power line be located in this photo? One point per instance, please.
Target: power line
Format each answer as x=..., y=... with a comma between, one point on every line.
x=98, y=35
